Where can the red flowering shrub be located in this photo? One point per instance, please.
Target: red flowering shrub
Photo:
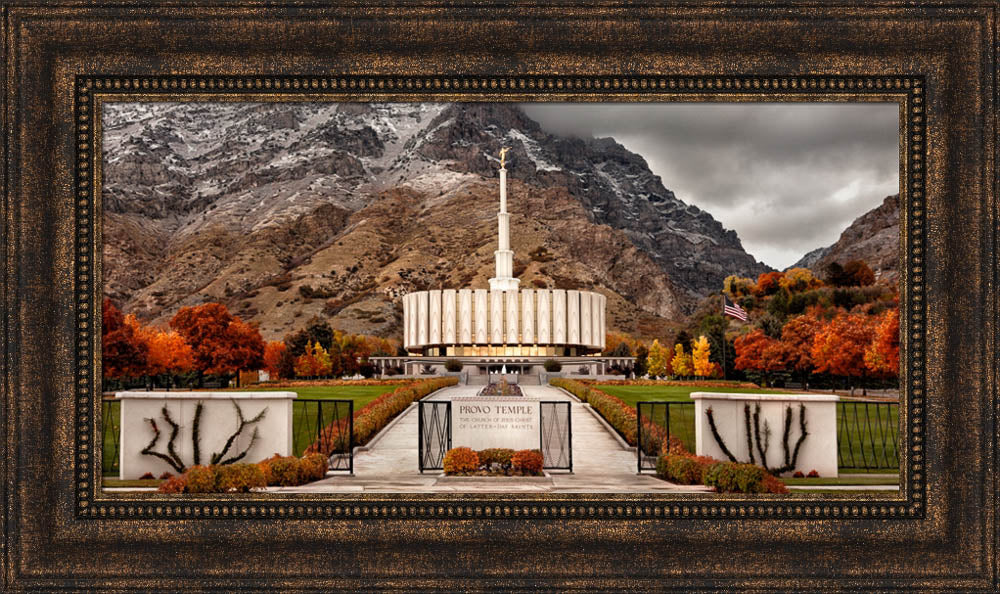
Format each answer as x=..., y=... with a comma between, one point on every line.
x=148, y=475
x=174, y=484
x=460, y=461
x=166, y=475
x=798, y=474
x=813, y=474
x=773, y=484
x=528, y=462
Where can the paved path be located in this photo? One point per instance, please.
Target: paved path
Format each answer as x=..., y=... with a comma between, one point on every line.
x=600, y=463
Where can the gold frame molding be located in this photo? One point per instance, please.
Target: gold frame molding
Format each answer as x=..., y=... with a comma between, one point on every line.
x=937, y=63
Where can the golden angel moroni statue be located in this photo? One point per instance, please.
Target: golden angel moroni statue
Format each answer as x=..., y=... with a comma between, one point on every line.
x=503, y=156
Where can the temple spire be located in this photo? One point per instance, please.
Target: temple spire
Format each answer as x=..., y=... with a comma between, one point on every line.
x=504, y=280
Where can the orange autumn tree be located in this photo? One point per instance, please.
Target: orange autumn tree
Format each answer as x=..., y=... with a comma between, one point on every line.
x=274, y=351
x=222, y=343
x=169, y=353
x=768, y=283
x=123, y=352
x=759, y=352
x=882, y=355
x=797, y=340
x=314, y=362
x=839, y=346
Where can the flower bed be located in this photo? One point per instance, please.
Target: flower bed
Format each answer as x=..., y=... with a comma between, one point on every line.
x=501, y=388
x=375, y=415
x=464, y=461
x=278, y=470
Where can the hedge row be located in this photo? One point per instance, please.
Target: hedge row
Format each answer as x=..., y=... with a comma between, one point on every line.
x=241, y=478
x=375, y=415
x=287, y=383
x=684, y=468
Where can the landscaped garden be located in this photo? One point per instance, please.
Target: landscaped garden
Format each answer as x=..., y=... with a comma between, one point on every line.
x=867, y=432
x=316, y=423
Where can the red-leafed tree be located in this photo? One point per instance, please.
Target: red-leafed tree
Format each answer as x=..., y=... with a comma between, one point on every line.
x=797, y=340
x=759, y=352
x=123, y=352
x=222, y=343
x=839, y=346
x=882, y=355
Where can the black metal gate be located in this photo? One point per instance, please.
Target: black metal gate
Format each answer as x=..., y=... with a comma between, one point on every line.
x=434, y=431
x=656, y=422
x=325, y=426
x=556, y=428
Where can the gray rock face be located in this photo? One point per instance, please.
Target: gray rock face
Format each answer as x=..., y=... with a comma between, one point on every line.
x=873, y=237
x=218, y=200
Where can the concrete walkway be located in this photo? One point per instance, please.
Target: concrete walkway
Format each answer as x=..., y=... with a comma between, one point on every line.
x=601, y=464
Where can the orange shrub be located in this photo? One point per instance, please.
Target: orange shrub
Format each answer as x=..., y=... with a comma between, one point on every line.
x=238, y=477
x=200, y=479
x=528, y=462
x=460, y=461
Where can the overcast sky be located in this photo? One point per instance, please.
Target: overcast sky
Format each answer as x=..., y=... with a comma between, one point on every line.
x=787, y=177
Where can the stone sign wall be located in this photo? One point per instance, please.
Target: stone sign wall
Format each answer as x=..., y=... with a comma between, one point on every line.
x=481, y=423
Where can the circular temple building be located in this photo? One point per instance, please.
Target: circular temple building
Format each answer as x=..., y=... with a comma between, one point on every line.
x=504, y=326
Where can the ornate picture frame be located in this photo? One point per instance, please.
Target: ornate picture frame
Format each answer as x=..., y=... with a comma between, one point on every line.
x=938, y=64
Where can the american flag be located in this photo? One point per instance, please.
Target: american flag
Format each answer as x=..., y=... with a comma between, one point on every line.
x=731, y=309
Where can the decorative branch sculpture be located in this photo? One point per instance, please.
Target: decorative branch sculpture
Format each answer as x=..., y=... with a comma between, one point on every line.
x=243, y=423
x=791, y=456
x=718, y=438
x=173, y=458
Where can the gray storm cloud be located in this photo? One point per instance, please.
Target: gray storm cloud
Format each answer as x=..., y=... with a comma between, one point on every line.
x=787, y=177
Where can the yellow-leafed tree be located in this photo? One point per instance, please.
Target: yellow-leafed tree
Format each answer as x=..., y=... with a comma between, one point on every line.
x=681, y=363
x=700, y=351
x=657, y=361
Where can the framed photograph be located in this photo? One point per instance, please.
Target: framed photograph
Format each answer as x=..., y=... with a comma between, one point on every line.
x=338, y=297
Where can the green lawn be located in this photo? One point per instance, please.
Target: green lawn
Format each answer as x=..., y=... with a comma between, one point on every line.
x=876, y=426
x=304, y=414
x=633, y=394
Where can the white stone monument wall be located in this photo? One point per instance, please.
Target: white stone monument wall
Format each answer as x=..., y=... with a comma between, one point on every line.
x=818, y=451
x=482, y=316
x=218, y=422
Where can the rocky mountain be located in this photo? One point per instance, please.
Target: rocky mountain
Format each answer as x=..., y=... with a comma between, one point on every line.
x=288, y=210
x=872, y=237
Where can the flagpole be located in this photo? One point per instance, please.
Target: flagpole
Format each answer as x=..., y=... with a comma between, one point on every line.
x=725, y=325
